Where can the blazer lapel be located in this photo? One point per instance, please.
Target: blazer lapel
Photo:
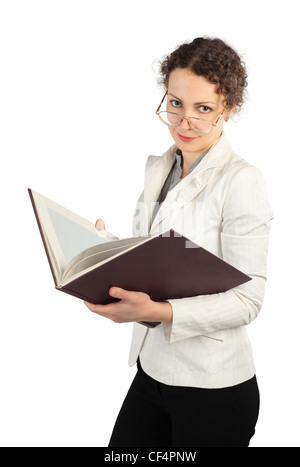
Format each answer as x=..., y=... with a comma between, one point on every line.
x=189, y=187
x=182, y=194
x=156, y=172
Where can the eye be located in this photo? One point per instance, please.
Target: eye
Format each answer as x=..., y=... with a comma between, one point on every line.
x=175, y=103
x=204, y=109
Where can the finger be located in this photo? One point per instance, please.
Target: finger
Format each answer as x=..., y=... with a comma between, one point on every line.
x=122, y=294
x=106, y=311
x=90, y=306
x=96, y=308
x=100, y=224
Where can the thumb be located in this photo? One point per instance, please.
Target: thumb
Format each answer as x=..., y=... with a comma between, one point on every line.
x=117, y=292
x=100, y=224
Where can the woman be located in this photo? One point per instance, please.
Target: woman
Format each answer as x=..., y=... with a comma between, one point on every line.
x=196, y=384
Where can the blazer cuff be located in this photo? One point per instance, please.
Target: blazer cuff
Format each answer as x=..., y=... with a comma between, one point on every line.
x=206, y=314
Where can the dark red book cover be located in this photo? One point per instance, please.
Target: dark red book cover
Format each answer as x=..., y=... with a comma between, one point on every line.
x=167, y=266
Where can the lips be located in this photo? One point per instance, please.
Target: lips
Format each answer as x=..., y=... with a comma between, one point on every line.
x=185, y=138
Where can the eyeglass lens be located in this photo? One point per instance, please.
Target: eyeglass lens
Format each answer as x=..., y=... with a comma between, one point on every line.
x=172, y=119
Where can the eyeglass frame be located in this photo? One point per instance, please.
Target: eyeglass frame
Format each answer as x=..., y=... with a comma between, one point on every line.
x=186, y=117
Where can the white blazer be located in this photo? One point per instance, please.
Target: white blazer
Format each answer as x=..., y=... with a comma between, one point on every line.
x=222, y=205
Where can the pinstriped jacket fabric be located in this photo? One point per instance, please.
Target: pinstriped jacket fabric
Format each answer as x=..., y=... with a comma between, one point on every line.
x=223, y=206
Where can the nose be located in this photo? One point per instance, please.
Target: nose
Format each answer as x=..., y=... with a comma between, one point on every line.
x=185, y=124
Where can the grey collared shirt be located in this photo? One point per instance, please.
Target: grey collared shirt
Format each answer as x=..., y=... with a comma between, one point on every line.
x=174, y=178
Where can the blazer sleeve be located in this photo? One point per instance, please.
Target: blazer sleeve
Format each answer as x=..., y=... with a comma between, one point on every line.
x=244, y=241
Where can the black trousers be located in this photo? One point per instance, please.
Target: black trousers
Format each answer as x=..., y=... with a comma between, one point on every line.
x=154, y=415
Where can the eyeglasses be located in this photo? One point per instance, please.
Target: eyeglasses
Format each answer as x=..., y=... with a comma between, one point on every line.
x=173, y=119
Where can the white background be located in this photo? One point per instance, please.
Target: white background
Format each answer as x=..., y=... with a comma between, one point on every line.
x=78, y=95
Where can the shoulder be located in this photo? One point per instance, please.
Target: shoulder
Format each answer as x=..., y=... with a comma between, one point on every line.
x=166, y=156
x=242, y=180
x=246, y=190
x=161, y=163
x=240, y=170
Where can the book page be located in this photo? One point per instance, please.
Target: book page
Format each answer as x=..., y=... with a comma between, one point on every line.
x=66, y=233
x=98, y=254
x=73, y=238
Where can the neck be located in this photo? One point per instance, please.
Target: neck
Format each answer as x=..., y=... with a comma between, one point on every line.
x=188, y=158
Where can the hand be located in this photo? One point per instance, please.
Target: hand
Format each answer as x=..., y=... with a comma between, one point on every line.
x=133, y=307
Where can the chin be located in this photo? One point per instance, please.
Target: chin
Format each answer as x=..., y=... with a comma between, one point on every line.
x=191, y=146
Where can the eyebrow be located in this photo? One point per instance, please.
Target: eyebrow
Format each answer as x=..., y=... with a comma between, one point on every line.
x=196, y=103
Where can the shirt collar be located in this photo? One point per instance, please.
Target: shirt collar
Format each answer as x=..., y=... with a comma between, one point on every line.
x=178, y=159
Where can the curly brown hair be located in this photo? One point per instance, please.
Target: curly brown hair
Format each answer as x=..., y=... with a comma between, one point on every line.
x=216, y=61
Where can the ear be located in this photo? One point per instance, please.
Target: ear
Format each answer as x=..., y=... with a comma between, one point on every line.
x=228, y=113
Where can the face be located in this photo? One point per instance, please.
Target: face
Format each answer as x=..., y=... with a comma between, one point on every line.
x=194, y=96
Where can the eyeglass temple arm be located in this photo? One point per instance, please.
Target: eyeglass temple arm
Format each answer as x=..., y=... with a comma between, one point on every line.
x=215, y=124
x=158, y=108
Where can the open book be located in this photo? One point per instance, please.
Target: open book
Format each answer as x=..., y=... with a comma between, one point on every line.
x=86, y=263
